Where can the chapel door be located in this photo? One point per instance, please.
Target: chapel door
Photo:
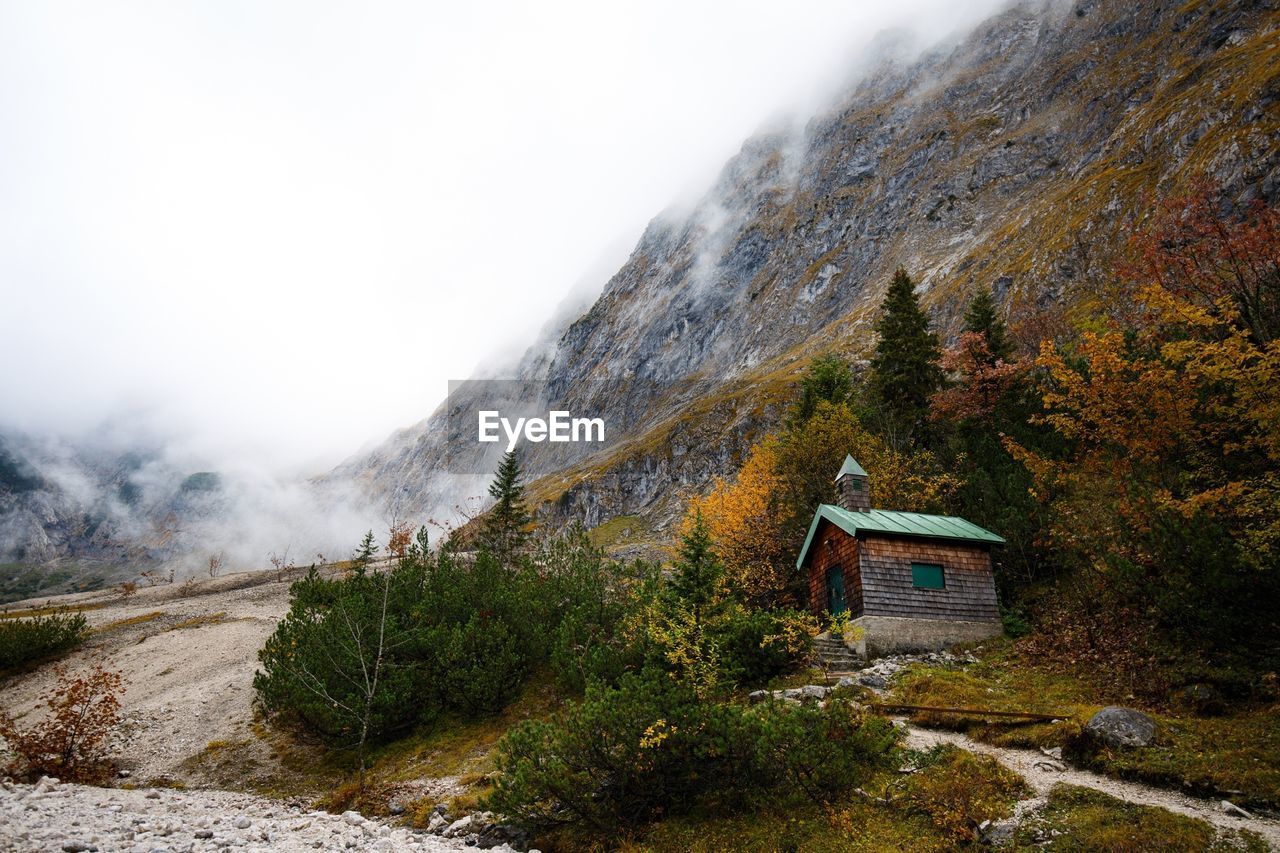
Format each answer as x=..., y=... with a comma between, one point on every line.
x=835, y=591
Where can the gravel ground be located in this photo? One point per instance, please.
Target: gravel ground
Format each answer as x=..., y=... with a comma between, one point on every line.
x=49, y=816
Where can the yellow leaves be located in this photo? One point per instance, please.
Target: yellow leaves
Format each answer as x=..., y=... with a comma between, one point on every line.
x=655, y=734
x=796, y=634
x=746, y=525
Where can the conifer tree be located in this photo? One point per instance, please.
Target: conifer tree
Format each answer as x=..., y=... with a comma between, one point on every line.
x=506, y=526
x=696, y=579
x=364, y=554
x=904, y=370
x=828, y=379
x=983, y=319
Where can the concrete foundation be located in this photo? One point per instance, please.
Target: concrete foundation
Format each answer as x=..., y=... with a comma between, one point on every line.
x=883, y=635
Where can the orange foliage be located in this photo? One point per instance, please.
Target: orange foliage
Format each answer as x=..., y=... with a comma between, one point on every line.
x=1179, y=414
x=747, y=528
x=67, y=742
x=985, y=381
x=399, y=538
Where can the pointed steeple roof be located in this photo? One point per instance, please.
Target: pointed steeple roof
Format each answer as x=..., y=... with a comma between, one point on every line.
x=851, y=466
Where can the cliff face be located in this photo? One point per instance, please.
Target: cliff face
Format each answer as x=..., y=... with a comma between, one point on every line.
x=1015, y=159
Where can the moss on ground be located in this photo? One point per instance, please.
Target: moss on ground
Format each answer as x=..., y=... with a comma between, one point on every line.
x=1236, y=755
x=48, y=611
x=855, y=825
x=622, y=530
x=199, y=621
x=129, y=622
x=1080, y=819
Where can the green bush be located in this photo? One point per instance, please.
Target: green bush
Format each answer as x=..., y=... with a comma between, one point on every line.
x=754, y=645
x=626, y=755
x=456, y=633
x=25, y=640
x=480, y=665
x=820, y=752
x=321, y=663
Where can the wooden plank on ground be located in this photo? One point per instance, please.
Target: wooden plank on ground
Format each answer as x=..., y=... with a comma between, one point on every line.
x=968, y=712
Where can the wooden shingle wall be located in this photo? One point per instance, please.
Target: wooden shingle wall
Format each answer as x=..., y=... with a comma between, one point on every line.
x=843, y=552
x=970, y=592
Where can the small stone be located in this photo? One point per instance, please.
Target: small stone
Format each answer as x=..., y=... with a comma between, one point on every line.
x=875, y=682
x=153, y=795
x=204, y=833
x=461, y=826
x=242, y=822
x=353, y=818
x=808, y=693
x=76, y=847
x=1231, y=808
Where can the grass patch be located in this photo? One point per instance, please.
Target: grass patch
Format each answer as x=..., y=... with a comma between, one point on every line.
x=1083, y=819
x=452, y=746
x=999, y=681
x=1236, y=755
x=855, y=825
x=48, y=611
x=140, y=619
x=623, y=530
x=199, y=621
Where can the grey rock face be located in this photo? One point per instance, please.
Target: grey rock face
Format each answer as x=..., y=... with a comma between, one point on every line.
x=1118, y=726
x=960, y=165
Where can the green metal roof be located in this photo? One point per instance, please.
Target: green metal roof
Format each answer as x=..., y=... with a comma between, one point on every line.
x=851, y=466
x=898, y=524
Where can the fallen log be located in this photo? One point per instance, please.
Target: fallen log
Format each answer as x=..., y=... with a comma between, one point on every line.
x=966, y=712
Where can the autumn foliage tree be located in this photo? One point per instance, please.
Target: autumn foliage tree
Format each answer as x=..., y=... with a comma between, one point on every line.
x=757, y=520
x=1168, y=486
x=80, y=712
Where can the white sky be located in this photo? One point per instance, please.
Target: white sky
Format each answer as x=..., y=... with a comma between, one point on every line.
x=281, y=227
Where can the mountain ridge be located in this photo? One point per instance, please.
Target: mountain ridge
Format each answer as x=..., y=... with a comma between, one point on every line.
x=1012, y=159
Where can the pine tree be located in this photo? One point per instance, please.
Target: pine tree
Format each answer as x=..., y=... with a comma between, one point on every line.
x=505, y=528
x=983, y=319
x=904, y=370
x=698, y=571
x=828, y=379
x=364, y=554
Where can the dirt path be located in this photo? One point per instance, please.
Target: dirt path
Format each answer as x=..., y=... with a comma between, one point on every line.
x=1043, y=772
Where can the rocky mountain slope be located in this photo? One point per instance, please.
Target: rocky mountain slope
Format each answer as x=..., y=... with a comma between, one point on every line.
x=87, y=510
x=1014, y=159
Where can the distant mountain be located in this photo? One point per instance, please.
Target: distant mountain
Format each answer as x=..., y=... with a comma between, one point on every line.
x=96, y=514
x=1014, y=159
x=83, y=512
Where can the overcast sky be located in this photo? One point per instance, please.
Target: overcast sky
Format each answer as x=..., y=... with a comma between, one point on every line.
x=281, y=227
